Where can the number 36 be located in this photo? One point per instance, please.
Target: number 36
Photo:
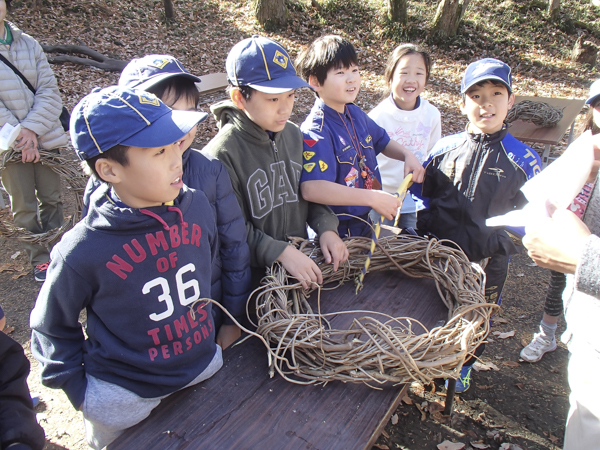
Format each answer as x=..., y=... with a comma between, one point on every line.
x=182, y=287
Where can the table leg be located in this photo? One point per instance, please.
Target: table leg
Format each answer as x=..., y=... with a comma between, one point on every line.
x=545, y=156
x=571, y=133
x=450, y=390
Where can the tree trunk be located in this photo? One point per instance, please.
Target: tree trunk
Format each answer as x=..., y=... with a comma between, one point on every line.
x=448, y=16
x=553, y=8
x=396, y=11
x=271, y=14
x=169, y=12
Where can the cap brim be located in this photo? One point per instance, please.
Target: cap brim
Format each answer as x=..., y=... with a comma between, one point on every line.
x=280, y=85
x=161, y=77
x=486, y=78
x=590, y=100
x=166, y=130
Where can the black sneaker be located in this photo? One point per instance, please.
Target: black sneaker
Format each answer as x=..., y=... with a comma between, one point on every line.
x=39, y=272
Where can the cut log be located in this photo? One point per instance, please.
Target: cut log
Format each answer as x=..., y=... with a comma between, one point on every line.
x=96, y=59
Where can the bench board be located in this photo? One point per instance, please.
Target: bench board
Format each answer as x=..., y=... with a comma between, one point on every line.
x=241, y=407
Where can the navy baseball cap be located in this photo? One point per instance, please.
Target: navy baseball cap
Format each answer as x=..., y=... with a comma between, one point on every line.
x=486, y=69
x=594, y=92
x=264, y=65
x=118, y=115
x=143, y=73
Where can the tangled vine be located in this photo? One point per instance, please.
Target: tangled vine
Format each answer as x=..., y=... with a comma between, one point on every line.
x=377, y=348
x=539, y=113
x=76, y=179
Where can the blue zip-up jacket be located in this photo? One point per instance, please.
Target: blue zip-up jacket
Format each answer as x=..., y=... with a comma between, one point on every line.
x=136, y=272
x=231, y=278
x=470, y=178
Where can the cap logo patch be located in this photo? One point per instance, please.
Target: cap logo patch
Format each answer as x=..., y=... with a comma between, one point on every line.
x=159, y=63
x=484, y=67
x=280, y=59
x=149, y=99
x=307, y=155
x=309, y=167
x=323, y=166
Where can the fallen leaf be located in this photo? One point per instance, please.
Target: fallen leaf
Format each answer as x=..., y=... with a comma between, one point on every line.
x=484, y=387
x=385, y=434
x=406, y=399
x=435, y=407
x=381, y=446
x=11, y=267
x=521, y=386
x=19, y=275
x=519, y=275
x=423, y=413
x=478, y=445
x=507, y=446
x=8, y=330
x=511, y=364
x=500, y=320
x=507, y=334
x=395, y=419
x=524, y=342
x=470, y=433
x=484, y=367
x=14, y=255
x=448, y=445
x=522, y=316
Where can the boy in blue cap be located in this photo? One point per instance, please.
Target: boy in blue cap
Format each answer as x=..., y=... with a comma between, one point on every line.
x=165, y=77
x=262, y=151
x=478, y=174
x=136, y=263
x=341, y=142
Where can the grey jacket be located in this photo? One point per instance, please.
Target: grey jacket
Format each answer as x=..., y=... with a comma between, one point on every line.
x=582, y=293
x=17, y=103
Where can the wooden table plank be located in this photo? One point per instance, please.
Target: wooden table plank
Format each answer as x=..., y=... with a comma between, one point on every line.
x=528, y=132
x=212, y=82
x=241, y=407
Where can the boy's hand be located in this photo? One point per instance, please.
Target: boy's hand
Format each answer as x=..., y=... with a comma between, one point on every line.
x=385, y=204
x=333, y=248
x=27, y=144
x=412, y=164
x=227, y=335
x=300, y=266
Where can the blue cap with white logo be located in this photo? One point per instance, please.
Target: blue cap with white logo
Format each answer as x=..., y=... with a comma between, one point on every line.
x=594, y=92
x=118, y=115
x=486, y=69
x=143, y=73
x=262, y=64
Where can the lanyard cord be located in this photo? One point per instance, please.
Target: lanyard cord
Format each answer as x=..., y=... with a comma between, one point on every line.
x=356, y=144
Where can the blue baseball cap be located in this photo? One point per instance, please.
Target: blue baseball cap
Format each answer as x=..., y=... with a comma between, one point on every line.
x=594, y=92
x=486, y=69
x=118, y=115
x=143, y=73
x=262, y=64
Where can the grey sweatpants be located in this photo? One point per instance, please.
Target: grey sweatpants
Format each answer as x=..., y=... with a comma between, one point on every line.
x=108, y=409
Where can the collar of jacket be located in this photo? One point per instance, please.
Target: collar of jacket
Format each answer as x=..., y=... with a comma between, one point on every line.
x=14, y=30
x=489, y=139
x=226, y=113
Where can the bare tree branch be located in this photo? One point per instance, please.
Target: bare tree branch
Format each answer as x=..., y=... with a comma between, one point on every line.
x=98, y=59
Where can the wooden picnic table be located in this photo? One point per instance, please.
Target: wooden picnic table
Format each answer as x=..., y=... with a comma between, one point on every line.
x=529, y=132
x=241, y=407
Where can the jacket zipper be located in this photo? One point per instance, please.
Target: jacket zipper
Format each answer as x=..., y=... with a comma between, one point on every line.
x=276, y=155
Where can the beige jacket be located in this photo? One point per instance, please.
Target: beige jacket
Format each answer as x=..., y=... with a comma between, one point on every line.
x=17, y=103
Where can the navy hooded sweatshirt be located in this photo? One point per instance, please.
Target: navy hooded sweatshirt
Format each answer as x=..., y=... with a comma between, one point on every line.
x=136, y=272
x=231, y=278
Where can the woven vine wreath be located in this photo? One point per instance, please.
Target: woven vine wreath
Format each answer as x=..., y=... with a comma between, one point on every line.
x=73, y=175
x=377, y=348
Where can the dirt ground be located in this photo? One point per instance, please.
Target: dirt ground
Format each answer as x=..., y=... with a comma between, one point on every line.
x=520, y=405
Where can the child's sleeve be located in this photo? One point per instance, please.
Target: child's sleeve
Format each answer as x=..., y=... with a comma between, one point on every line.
x=436, y=130
x=379, y=135
x=321, y=218
x=47, y=104
x=57, y=337
x=234, y=251
x=318, y=157
x=17, y=417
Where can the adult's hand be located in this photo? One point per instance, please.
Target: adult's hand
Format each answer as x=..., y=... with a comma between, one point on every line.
x=557, y=242
x=27, y=144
